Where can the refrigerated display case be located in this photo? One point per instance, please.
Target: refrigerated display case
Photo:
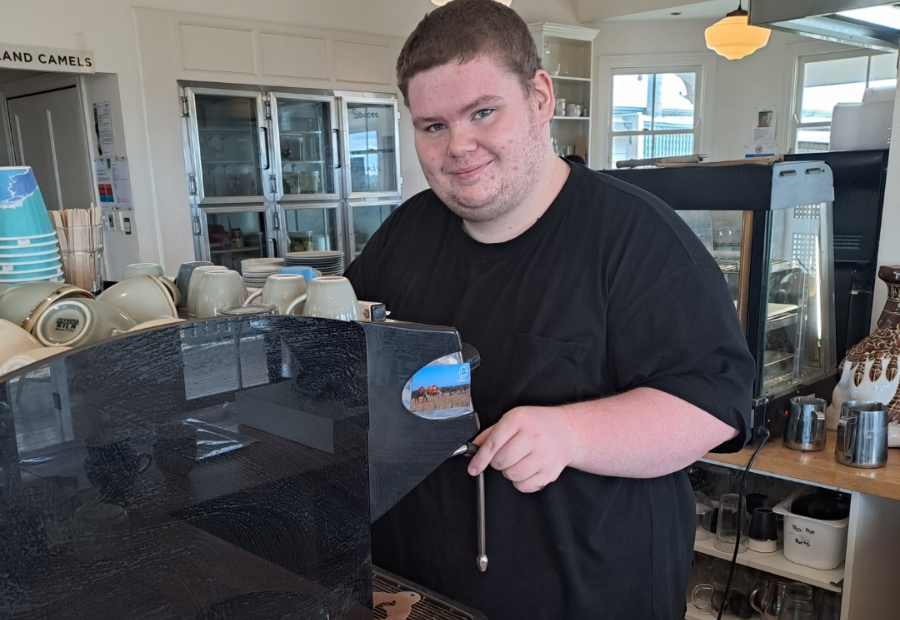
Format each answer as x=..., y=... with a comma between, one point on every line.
x=770, y=230
x=271, y=172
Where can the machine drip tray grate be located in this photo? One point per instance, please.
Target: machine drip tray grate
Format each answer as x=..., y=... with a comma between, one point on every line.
x=432, y=606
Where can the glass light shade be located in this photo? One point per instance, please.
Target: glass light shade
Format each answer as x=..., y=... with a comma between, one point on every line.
x=443, y=2
x=733, y=38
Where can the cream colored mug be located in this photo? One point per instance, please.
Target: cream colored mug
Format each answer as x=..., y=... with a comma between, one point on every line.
x=286, y=291
x=219, y=289
x=143, y=298
x=144, y=269
x=76, y=322
x=331, y=297
x=23, y=304
x=14, y=340
x=194, y=286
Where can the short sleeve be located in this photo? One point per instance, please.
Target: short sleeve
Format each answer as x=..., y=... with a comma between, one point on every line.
x=683, y=337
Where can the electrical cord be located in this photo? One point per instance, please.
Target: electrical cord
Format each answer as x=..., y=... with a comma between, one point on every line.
x=763, y=434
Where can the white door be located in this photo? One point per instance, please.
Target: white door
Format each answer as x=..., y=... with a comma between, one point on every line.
x=48, y=134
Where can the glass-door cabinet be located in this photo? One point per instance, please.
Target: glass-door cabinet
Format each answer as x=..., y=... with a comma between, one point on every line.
x=371, y=147
x=233, y=234
x=307, y=137
x=365, y=218
x=769, y=228
x=229, y=146
x=312, y=228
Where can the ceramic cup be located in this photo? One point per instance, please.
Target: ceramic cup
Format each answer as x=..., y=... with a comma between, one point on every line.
x=284, y=290
x=14, y=340
x=29, y=357
x=23, y=304
x=184, y=277
x=76, y=322
x=144, y=269
x=155, y=323
x=174, y=293
x=143, y=298
x=194, y=286
x=331, y=297
x=219, y=289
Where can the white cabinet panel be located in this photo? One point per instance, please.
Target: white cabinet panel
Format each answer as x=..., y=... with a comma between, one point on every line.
x=209, y=48
x=363, y=62
x=294, y=56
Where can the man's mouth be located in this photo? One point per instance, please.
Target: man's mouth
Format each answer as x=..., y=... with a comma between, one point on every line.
x=465, y=174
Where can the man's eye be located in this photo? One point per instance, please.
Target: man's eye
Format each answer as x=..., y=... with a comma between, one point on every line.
x=483, y=113
x=434, y=128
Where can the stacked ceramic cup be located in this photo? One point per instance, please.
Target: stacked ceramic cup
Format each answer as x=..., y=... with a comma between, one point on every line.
x=28, y=245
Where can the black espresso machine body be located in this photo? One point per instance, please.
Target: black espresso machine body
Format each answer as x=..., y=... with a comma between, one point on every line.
x=217, y=469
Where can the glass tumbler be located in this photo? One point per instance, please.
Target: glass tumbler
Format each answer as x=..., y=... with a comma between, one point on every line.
x=731, y=529
x=798, y=603
x=704, y=509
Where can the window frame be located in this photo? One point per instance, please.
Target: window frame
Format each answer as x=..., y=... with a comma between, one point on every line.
x=703, y=64
x=694, y=131
x=800, y=62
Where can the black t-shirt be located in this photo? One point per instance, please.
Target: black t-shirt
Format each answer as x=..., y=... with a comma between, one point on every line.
x=608, y=291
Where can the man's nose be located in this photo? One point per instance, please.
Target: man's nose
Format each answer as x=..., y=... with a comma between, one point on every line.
x=462, y=142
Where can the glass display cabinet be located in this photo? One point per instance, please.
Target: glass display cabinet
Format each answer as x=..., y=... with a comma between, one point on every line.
x=770, y=230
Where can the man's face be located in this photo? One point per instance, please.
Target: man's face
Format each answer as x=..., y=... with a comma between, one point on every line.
x=478, y=136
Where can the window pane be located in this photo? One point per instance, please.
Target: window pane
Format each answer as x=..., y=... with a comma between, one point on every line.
x=829, y=82
x=670, y=145
x=812, y=139
x=234, y=237
x=311, y=229
x=674, y=101
x=883, y=70
x=631, y=102
x=631, y=147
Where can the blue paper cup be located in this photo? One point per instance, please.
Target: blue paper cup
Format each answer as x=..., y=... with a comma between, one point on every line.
x=20, y=261
x=23, y=243
x=306, y=272
x=22, y=209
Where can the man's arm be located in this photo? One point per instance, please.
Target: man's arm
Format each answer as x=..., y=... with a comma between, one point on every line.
x=643, y=433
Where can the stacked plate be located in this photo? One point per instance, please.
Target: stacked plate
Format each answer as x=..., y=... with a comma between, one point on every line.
x=330, y=263
x=256, y=270
x=30, y=259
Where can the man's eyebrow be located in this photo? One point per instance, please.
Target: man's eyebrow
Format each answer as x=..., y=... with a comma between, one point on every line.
x=481, y=102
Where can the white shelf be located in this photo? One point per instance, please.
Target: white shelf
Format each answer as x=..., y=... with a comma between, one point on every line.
x=777, y=564
x=566, y=78
x=571, y=118
x=693, y=613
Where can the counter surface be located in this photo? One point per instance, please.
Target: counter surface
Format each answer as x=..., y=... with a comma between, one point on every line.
x=818, y=467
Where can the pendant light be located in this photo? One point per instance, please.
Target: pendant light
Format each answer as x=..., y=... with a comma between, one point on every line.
x=443, y=2
x=733, y=37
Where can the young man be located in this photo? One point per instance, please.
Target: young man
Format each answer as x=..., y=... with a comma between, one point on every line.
x=612, y=357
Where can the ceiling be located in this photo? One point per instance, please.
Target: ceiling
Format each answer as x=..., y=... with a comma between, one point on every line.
x=712, y=10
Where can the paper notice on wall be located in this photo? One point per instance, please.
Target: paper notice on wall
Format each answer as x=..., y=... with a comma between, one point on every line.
x=121, y=181
x=762, y=139
x=104, y=178
x=103, y=130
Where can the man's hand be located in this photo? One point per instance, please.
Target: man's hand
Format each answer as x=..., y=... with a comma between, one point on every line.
x=530, y=445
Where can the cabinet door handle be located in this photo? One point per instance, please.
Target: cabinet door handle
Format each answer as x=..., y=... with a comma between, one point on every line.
x=336, y=147
x=265, y=131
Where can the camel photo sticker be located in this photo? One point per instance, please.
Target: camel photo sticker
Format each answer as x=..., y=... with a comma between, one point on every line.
x=440, y=390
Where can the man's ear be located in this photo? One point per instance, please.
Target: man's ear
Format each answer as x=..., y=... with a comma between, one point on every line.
x=543, y=96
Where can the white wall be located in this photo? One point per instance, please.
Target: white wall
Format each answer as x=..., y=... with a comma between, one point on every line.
x=762, y=80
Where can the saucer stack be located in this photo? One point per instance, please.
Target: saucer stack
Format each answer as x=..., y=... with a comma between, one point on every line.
x=330, y=263
x=256, y=270
x=29, y=250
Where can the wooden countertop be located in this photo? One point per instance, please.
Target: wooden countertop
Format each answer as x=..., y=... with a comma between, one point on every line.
x=818, y=467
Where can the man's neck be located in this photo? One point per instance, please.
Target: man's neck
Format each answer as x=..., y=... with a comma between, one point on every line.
x=526, y=214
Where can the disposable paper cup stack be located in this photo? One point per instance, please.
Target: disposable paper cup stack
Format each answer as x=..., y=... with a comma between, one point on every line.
x=28, y=243
x=80, y=233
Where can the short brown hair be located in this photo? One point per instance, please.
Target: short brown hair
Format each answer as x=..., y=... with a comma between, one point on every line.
x=461, y=30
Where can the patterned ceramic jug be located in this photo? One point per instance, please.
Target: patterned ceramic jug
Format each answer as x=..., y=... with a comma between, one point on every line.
x=871, y=369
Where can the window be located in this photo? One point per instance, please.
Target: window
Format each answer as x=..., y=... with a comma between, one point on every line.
x=828, y=79
x=654, y=114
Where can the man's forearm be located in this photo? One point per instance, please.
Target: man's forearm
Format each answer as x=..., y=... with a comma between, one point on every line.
x=643, y=433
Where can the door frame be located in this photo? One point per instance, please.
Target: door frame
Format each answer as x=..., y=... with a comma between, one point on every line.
x=36, y=84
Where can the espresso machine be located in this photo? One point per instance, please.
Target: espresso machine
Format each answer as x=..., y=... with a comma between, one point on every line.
x=225, y=469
